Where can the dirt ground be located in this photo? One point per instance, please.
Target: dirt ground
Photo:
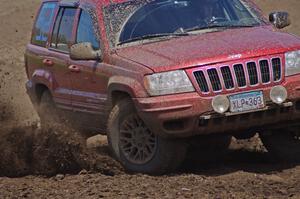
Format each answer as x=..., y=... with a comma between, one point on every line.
x=57, y=164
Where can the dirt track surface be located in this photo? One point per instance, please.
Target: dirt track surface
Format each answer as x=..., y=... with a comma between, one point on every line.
x=243, y=172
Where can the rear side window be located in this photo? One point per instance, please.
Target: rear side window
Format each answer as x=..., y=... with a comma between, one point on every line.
x=43, y=24
x=62, y=33
x=87, y=30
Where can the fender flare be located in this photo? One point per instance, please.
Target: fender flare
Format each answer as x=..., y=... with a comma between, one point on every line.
x=127, y=85
x=43, y=77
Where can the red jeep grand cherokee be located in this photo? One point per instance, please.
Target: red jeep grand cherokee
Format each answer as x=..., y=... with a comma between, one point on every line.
x=159, y=75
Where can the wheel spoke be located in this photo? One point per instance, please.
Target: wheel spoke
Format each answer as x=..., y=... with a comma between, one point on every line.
x=136, y=157
x=125, y=140
x=135, y=121
x=142, y=154
x=140, y=122
x=147, y=150
x=127, y=132
x=128, y=147
x=137, y=142
x=129, y=125
x=151, y=139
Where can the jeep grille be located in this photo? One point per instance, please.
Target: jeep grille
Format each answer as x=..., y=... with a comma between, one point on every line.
x=226, y=77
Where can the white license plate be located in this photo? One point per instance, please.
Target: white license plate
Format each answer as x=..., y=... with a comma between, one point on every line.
x=246, y=101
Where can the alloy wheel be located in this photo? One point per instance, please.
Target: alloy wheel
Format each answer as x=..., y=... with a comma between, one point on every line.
x=137, y=142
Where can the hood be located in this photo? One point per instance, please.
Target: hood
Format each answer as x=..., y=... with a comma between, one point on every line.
x=210, y=48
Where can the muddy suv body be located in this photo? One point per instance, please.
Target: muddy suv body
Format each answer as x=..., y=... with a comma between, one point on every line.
x=149, y=89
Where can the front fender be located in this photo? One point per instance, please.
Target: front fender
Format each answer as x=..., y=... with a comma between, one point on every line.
x=128, y=85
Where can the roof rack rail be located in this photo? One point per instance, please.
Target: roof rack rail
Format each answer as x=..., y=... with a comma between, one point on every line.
x=71, y=3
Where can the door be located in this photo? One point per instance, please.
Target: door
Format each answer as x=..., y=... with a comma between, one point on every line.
x=89, y=81
x=36, y=53
x=58, y=56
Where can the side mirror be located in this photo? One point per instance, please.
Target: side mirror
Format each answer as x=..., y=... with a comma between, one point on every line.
x=280, y=19
x=84, y=51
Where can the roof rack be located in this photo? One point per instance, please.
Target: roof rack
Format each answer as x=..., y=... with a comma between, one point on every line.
x=71, y=3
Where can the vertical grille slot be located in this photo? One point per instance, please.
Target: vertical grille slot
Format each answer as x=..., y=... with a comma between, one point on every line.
x=265, y=71
x=252, y=71
x=214, y=79
x=201, y=80
x=276, y=65
x=217, y=78
x=227, y=77
x=240, y=75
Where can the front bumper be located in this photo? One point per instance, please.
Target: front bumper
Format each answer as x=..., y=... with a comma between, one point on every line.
x=188, y=114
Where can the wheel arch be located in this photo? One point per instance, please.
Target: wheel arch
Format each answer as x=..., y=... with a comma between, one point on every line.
x=121, y=87
x=118, y=95
x=42, y=81
x=39, y=90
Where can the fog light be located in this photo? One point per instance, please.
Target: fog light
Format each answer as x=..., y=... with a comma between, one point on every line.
x=220, y=104
x=278, y=94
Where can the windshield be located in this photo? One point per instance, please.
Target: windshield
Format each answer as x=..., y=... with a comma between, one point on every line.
x=144, y=19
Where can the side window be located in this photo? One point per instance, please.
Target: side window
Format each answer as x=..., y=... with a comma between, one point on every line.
x=62, y=33
x=43, y=24
x=87, y=30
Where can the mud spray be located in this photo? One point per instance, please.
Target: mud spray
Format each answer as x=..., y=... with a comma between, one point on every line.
x=33, y=151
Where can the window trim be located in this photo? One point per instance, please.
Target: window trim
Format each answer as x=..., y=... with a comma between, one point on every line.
x=52, y=32
x=72, y=41
x=77, y=26
x=51, y=25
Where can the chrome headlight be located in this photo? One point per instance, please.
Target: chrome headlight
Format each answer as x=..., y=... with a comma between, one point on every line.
x=168, y=83
x=292, y=63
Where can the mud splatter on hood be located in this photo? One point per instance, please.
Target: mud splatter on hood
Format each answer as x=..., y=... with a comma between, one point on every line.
x=210, y=48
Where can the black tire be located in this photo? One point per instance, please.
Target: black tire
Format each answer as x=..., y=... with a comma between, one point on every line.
x=47, y=111
x=282, y=145
x=165, y=157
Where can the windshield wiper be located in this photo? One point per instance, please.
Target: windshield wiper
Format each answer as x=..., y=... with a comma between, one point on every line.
x=203, y=27
x=220, y=26
x=242, y=26
x=152, y=36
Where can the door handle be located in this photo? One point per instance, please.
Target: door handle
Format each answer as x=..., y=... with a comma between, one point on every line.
x=74, y=68
x=48, y=62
